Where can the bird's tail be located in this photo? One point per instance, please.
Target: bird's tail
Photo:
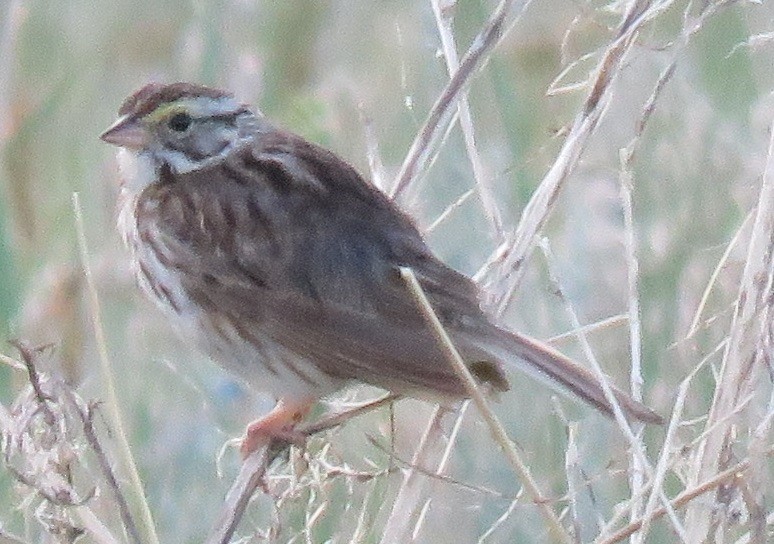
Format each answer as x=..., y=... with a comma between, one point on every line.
x=561, y=373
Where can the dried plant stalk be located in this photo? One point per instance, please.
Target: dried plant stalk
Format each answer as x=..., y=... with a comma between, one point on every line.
x=745, y=359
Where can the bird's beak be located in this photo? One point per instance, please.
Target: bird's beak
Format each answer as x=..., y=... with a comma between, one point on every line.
x=126, y=132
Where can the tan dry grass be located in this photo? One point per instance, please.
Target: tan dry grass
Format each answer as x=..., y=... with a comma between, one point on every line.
x=707, y=472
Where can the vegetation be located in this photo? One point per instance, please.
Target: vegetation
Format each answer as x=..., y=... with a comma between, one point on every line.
x=606, y=174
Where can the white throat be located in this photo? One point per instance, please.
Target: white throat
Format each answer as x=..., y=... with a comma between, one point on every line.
x=137, y=170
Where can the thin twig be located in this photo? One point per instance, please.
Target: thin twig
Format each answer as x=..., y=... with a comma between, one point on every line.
x=335, y=419
x=602, y=324
x=247, y=481
x=87, y=419
x=685, y=498
x=28, y=358
x=434, y=474
x=716, y=274
x=11, y=362
x=253, y=470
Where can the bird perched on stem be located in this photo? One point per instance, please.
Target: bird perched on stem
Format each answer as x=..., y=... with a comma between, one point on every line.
x=278, y=260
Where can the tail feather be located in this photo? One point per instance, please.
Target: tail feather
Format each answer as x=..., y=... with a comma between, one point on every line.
x=560, y=372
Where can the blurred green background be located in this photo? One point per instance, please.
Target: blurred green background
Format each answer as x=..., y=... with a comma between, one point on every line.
x=336, y=71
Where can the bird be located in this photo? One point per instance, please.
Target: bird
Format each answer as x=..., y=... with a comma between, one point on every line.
x=276, y=258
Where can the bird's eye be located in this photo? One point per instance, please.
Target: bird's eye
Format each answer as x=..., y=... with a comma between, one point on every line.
x=180, y=122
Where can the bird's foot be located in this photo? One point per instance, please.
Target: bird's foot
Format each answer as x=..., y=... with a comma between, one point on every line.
x=276, y=426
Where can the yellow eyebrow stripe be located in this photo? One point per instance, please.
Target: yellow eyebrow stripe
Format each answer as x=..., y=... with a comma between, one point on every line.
x=166, y=111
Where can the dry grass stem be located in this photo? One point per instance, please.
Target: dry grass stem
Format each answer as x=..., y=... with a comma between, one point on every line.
x=637, y=475
x=645, y=514
x=14, y=16
x=43, y=450
x=375, y=164
x=253, y=470
x=495, y=427
x=95, y=527
x=444, y=21
x=626, y=178
x=685, y=498
x=11, y=362
x=436, y=474
x=411, y=496
x=637, y=447
x=444, y=107
x=411, y=505
x=572, y=468
x=86, y=415
x=555, y=89
x=743, y=360
x=512, y=255
x=113, y=410
x=601, y=325
x=739, y=234
x=449, y=210
x=250, y=477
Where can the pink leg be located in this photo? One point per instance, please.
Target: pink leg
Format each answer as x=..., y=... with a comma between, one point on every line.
x=276, y=425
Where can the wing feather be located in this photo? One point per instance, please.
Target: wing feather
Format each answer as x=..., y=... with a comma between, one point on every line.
x=322, y=280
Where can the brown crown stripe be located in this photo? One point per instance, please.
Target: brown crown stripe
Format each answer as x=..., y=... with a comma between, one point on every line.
x=153, y=95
